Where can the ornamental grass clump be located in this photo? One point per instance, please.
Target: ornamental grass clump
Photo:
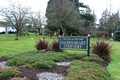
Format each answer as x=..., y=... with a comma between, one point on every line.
x=102, y=49
x=54, y=45
x=42, y=44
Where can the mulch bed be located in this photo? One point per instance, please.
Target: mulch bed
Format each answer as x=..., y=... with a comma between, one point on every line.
x=30, y=74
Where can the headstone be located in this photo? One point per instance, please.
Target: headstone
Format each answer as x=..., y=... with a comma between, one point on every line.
x=6, y=33
x=50, y=34
x=111, y=39
x=27, y=34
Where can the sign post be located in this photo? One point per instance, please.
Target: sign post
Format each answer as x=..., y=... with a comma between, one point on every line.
x=88, y=46
x=75, y=43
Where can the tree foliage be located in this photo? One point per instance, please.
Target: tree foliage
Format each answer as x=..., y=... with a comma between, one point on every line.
x=67, y=16
x=108, y=22
x=62, y=14
x=117, y=34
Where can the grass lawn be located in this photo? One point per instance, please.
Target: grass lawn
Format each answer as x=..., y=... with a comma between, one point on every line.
x=27, y=43
x=114, y=66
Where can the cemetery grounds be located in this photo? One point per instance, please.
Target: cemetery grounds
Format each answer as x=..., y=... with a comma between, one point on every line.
x=27, y=43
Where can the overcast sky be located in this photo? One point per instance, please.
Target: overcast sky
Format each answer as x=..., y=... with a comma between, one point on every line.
x=100, y=5
x=97, y=5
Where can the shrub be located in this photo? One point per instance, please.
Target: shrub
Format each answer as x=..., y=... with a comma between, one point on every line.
x=58, y=59
x=43, y=64
x=3, y=70
x=117, y=34
x=20, y=63
x=11, y=62
x=102, y=49
x=54, y=45
x=32, y=30
x=11, y=72
x=97, y=59
x=79, y=56
x=42, y=44
x=86, y=71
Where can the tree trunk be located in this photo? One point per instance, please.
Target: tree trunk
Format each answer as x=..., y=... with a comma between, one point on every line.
x=39, y=31
x=16, y=36
x=63, y=30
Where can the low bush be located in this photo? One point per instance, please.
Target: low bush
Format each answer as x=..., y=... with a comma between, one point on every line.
x=86, y=71
x=43, y=64
x=58, y=59
x=11, y=72
x=3, y=70
x=11, y=62
x=102, y=49
x=20, y=63
x=32, y=30
x=43, y=60
x=78, y=56
x=97, y=59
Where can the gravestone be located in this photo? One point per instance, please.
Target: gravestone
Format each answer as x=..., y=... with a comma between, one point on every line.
x=6, y=33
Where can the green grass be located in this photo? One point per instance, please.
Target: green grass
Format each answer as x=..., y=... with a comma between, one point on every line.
x=91, y=58
x=25, y=43
x=114, y=66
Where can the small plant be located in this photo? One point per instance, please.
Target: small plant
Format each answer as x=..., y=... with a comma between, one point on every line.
x=97, y=59
x=43, y=64
x=11, y=62
x=54, y=45
x=3, y=70
x=42, y=44
x=11, y=72
x=79, y=56
x=58, y=59
x=102, y=49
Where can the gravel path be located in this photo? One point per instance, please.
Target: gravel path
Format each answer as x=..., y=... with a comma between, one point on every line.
x=53, y=76
x=63, y=63
x=2, y=65
x=50, y=76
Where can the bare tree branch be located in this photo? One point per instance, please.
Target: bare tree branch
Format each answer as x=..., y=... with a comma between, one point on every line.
x=16, y=14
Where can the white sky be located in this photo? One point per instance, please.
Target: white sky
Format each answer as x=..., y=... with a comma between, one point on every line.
x=97, y=5
x=36, y=5
x=100, y=5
